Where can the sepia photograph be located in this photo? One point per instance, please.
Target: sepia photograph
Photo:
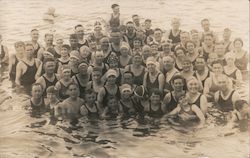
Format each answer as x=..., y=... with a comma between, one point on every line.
x=124, y=79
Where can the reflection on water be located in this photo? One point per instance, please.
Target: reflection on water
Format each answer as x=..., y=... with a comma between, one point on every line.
x=26, y=137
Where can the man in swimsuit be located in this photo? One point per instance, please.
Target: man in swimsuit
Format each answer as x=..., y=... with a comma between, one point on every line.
x=48, y=38
x=26, y=69
x=205, y=24
x=79, y=31
x=73, y=40
x=136, y=21
x=115, y=20
x=174, y=33
x=34, y=39
x=4, y=58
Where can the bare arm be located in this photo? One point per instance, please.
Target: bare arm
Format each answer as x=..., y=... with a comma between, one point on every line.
x=6, y=57
x=100, y=96
x=19, y=72
x=161, y=82
x=198, y=113
x=203, y=104
x=165, y=102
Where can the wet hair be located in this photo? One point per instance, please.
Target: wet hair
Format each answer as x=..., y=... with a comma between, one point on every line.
x=148, y=20
x=176, y=77
x=156, y=92
x=138, y=39
x=203, y=20
x=180, y=97
x=66, y=46
x=73, y=84
x=189, y=41
x=135, y=15
x=97, y=69
x=158, y=29
x=114, y=5
x=29, y=44
x=46, y=60
x=238, y=39
x=52, y=89
x=89, y=91
x=37, y=84
x=79, y=25
x=34, y=30
x=19, y=43
x=48, y=34
x=239, y=104
x=129, y=22
x=217, y=62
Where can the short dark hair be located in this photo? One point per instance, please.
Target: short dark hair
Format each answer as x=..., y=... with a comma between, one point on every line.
x=129, y=22
x=204, y=20
x=46, y=60
x=34, y=30
x=134, y=15
x=128, y=72
x=238, y=39
x=79, y=25
x=217, y=62
x=148, y=20
x=37, y=84
x=156, y=92
x=66, y=46
x=158, y=29
x=114, y=5
x=89, y=91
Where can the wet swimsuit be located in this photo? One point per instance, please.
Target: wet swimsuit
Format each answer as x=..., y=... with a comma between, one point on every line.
x=13, y=70
x=172, y=103
x=241, y=63
x=155, y=114
x=137, y=80
x=232, y=75
x=114, y=22
x=126, y=110
x=48, y=84
x=197, y=102
x=82, y=89
x=36, y=111
x=175, y=39
x=151, y=86
x=107, y=95
x=91, y=114
x=226, y=105
x=63, y=91
x=36, y=51
x=28, y=78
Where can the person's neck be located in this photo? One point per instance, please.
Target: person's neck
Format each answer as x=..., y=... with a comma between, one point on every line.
x=36, y=100
x=175, y=30
x=64, y=57
x=83, y=75
x=111, y=85
x=98, y=82
x=201, y=71
x=29, y=58
x=124, y=56
x=226, y=91
x=49, y=75
x=34, y=42
x=191, y=94
x=90, y=104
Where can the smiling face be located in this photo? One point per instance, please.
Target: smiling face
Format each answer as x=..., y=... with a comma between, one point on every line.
x=96, y=76
x=193, y=86
x=73, y=91
x=151, y=67
x=50, y=67
x=190, y=47
x=178, y=84
x=35, y=35
x=66, y=74
x=217, y=68
x=168, y=63
x=200, y=64
x=186, y=65
x=37, y=92
x=155, y=99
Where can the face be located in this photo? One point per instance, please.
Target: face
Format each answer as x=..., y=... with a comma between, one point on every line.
x=104, y=44
x=137, y=60
x=59, y=42
x=226, y=35
x=90, y=98
x=146, y=53
x=180, y=53
x=186, y=65
x=217, y=68
x=116, y=9
x=20, y=48
x=205, y=25
x=83, y=69
x=73, y=42
x=73, y=91
x=111, y=79
x=96, y=75
x=183, y=101
x=113, y=64
x=155, y=99
x=168, y=63
x=200, y=64
x=220, y=50
x=34, y=35
x=193, y=86
x=29, y=51
x=154, y=49
x=137, y=44
x=99, y=58
x=212, y=57
x=208, y=40
x=130, y=27
x=64, y=52
x=92, y=45
x=195, y=37
x=51, y=96
x=115, y=38
x=184, y=37
x=136, y=20
x=73, y=61
x=127, y=78
x=151, y=67
x=36, y=92
x=49, y=39
x=166, y=48
x=124, y=51
x=98, y=27
x=237, y=45
x=175, y=24
x=126, y=94
x=50, y=67
x=148, y=25
x=178, y=84
x=79, y=31
x=158, y=35
x=230, y=60
x=190, y=47
x=66, y=74
x=112, y=104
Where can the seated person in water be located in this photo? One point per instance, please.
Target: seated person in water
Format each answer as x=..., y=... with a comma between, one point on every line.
x=36, y=103
x=90, y=108
x=226, y=96
x=186, y=112
x=70, y=107
x=50, y=14
x=52, y=100
x=126, y=104
x=241, y=115
x=112, y=109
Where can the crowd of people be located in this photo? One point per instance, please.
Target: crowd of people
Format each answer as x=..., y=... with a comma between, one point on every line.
x=131, y=70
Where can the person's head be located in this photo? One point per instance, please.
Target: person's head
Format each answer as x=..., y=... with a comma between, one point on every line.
x=65, y=72
x=111, y=76
x=85, y=52
x=227, y=34
x=158, y=34
x=124, y=49
x=34, y=33
x=184, y=36
x=209, y=39
x=151, y=64
x=113, y=61
x=73, y=90
x=52, y=93
x=194, y=35
x=148, y=24
x=19, y=47
x=104, y=43
x=200, y=63
x=223, y=82
x=219, y=49
x=83, y=68
x=205, y=24
x=49, y=65
x=168, y=62
x=186, y=64
x=65, y=50
x=79, y=31
x=97, y=26
x=193, y=85
x=115, y=8
x=48, y=38
x=126, y=91
x=115, y=37
x=190, y=46
x=156, y=96
x=238, y=43
x=230, y=59
x=136, y=19
x=179, y=52
x=212, y=57
x=123, y=29
x=217, y=67
x=183, y=101
x=130, y=26
x=96, y=74
x=154, y=48
x=242, y=106
x=29, y=50
x=137, y=59
x=175, y=23
x=112, y=103
x=73, y=40
x=92, y=44
x=146, y=52
x=59, y=40
x=37, y=91
x=166, y=46
x=74, y=58
x=137, y=42
x=127, y=77
x=99, y=57
x=90, y=96
x=178, y=82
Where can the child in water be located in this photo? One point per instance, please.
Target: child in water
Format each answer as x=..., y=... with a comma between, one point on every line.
x=240, y=116
x=112, y=109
